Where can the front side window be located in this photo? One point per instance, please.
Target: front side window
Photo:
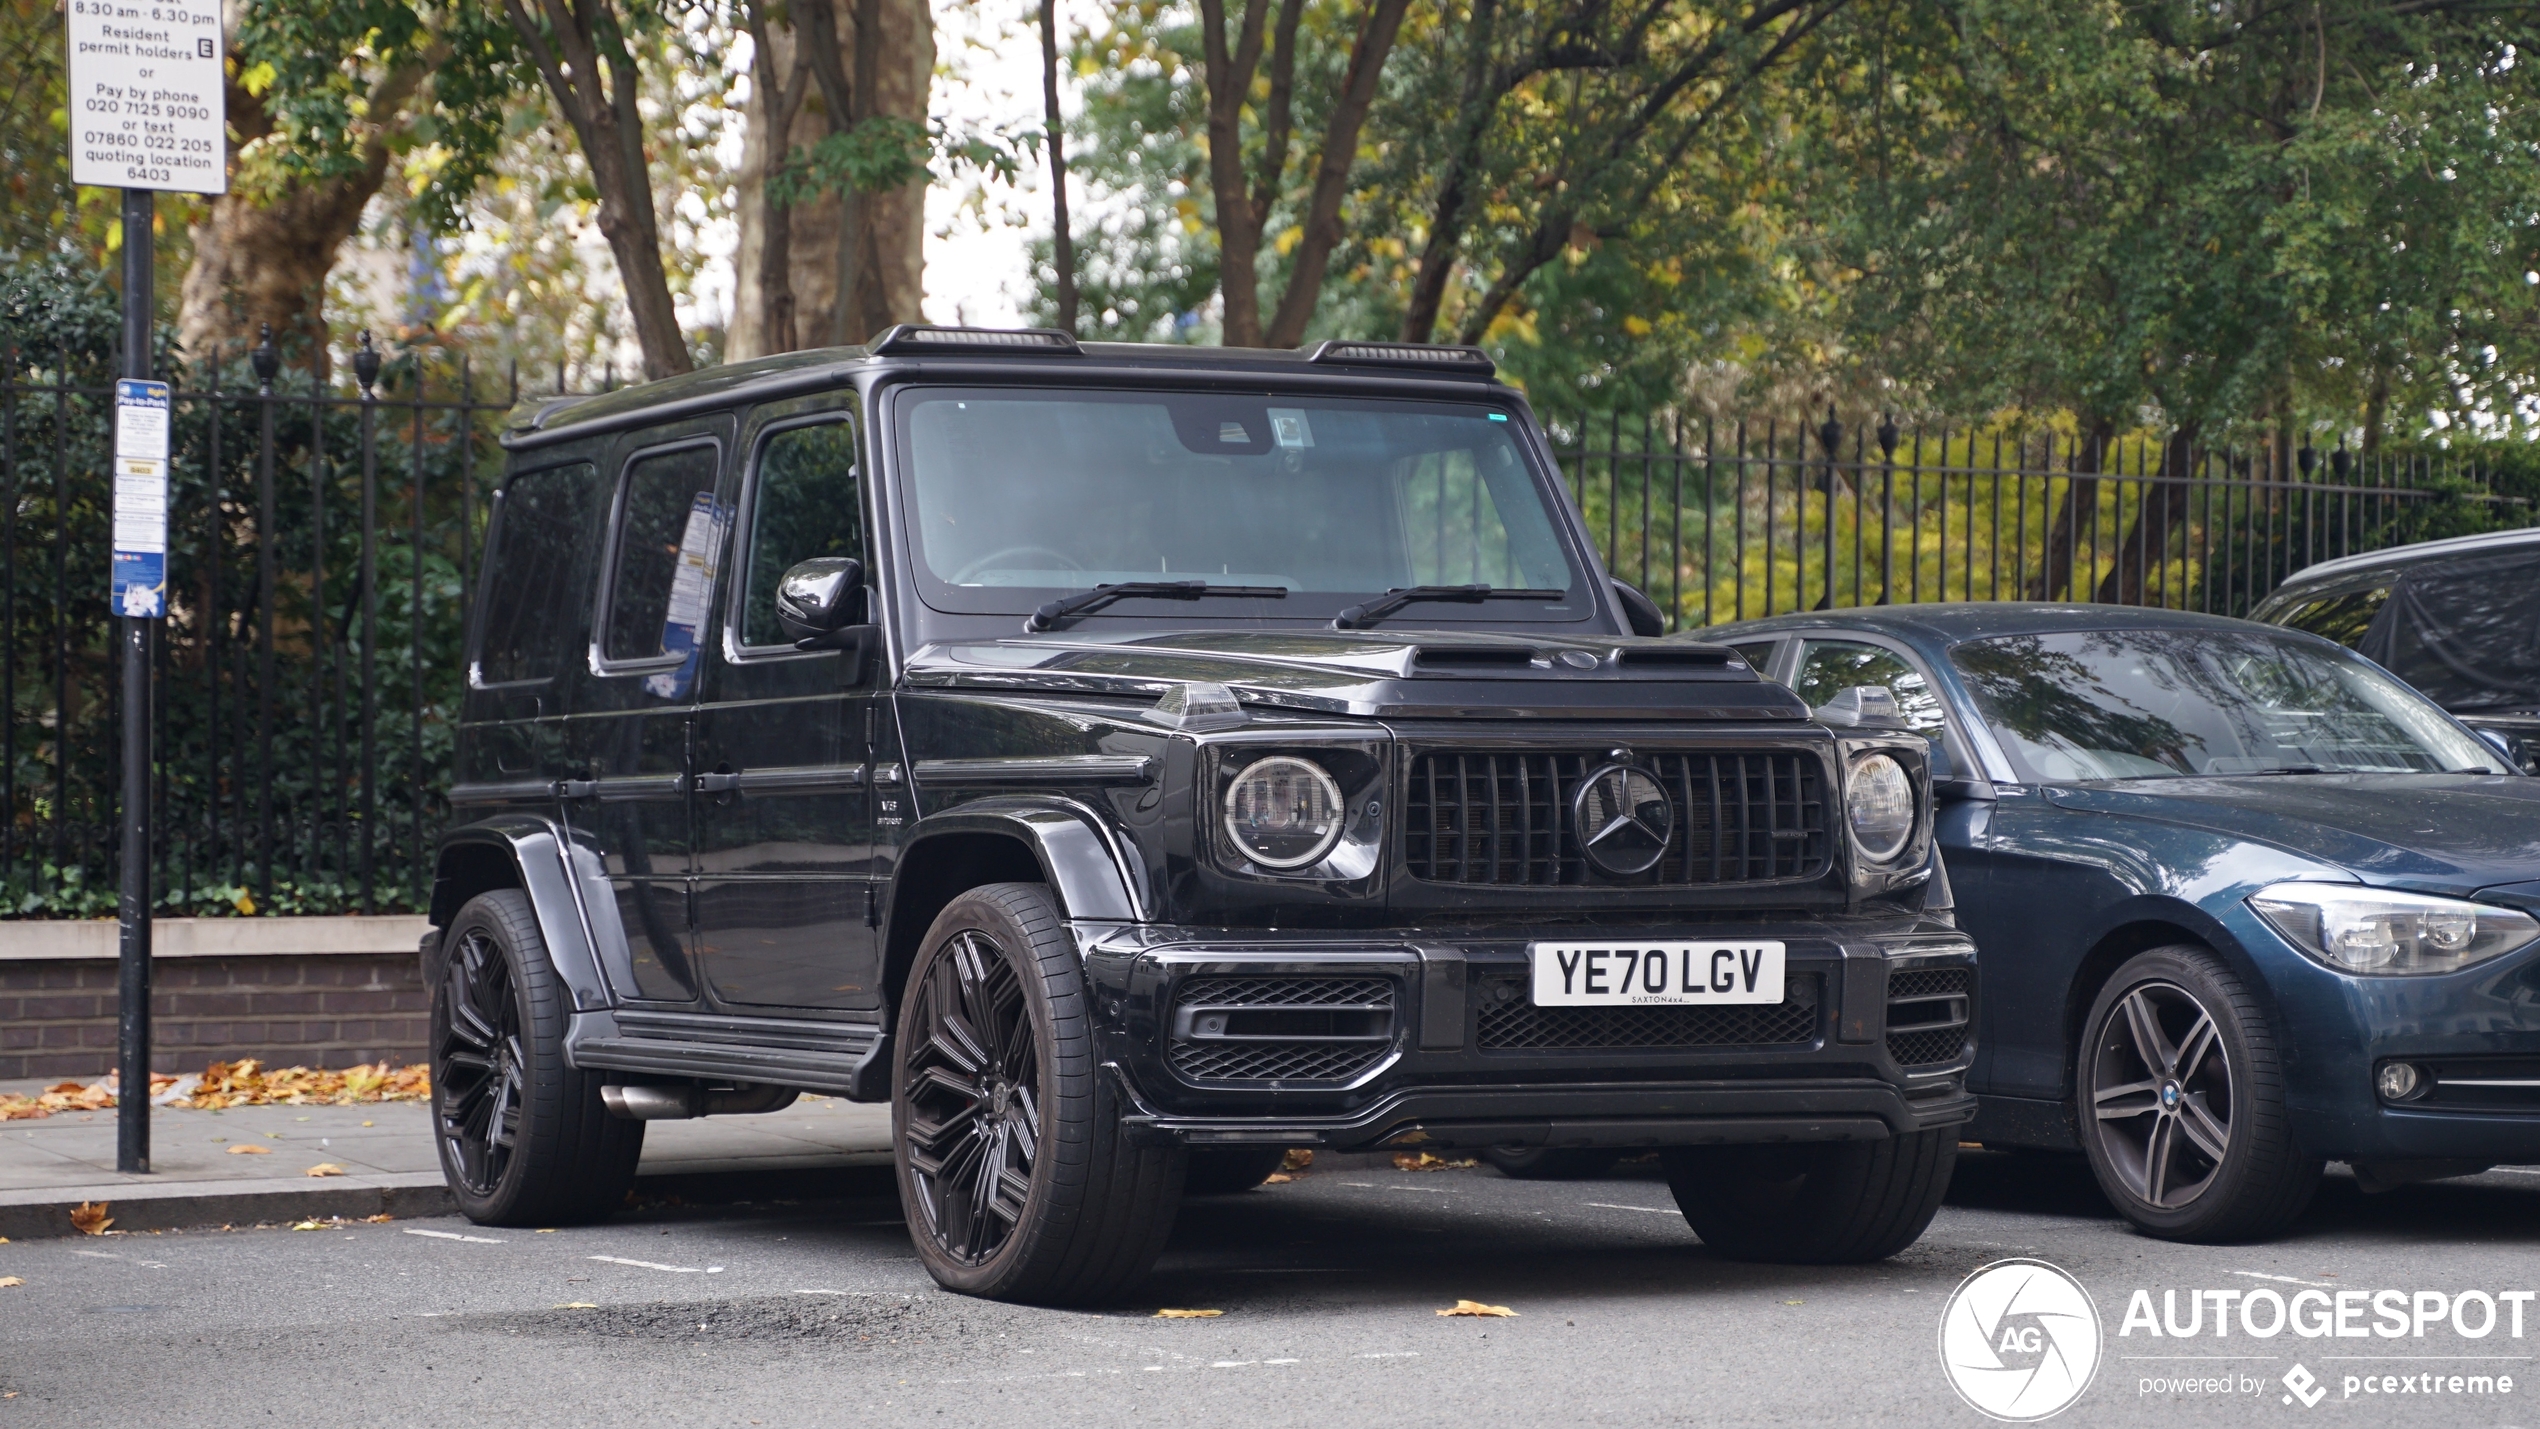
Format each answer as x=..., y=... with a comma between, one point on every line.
x=806, y=505
x=2171, y=703
x=2342, y=618
x=533, y=570
x=1018, y=496
x=667, y=540
x=1829, y=667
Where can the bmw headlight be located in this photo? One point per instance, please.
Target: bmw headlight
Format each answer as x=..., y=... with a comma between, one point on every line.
x=1283, y=812
x=2387, y=933
x=1879, y=800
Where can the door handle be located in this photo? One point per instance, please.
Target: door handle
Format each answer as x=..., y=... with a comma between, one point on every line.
x=721, y=782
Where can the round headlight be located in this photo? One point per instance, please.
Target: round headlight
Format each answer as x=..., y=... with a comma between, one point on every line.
x=1880, y=801
x=1283, y=813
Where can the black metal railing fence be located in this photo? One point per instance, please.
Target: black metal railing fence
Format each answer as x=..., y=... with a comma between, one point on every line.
x=325, y=531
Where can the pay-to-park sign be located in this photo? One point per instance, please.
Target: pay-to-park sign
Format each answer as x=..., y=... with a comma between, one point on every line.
x=148, y=111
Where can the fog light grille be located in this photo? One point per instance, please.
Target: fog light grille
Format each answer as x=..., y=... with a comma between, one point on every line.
x=1280, y=1029
x=1929, y=1015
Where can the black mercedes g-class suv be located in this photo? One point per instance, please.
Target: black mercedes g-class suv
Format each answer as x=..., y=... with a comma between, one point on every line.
x=1131, y=762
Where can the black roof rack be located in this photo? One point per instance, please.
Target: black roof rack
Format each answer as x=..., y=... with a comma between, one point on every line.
x=917, y=337
x=1405, y=354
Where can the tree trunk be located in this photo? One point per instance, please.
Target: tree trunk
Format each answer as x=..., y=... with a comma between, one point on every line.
x=884, y=259
x=2079, y=512
x=572, y=51
x=764, y=298
x=264, y=256
x=1331, y=173
x=1228, y=74
x=1054, y=134
x=2159, y=510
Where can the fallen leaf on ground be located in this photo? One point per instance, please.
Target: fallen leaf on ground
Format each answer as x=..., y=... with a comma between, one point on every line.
x=381, y=1219
x=326, y=1168
x=7, y=1281
x=1188, y=1314
x=551, y=1230
x=1297, y=1159
x=250, y=1149
x=313, y=1225
x=90, y=1218
x=1479, y=1310
x=587, y=1305
x=1424, y=1161
x=1278, y=1178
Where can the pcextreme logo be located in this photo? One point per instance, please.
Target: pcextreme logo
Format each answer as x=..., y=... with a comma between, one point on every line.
x=2020, y=1340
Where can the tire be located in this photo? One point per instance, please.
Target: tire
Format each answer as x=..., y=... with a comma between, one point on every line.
x=1821, y=1203
x=993, y=1068
x=1227, y=1170
x=2180, y=1096
x=1545, y=1163
x=523, y=1137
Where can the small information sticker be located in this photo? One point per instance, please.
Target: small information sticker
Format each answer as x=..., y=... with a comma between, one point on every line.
x=139, y=581
x=147, y=106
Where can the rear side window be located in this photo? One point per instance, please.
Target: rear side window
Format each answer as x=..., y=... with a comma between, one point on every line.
x=1758, y=653
x=667, y=521
x=535, y=573
x=2342, y=618
x=806, y=505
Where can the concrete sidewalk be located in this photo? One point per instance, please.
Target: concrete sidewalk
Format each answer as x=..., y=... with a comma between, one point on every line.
x=386, y=1153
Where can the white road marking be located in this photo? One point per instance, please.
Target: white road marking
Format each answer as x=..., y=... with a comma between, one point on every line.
x=1392, y=1355
x=1653, y=1210
x=867, y=1294
x=1441, y=1190
x=1233, y=1364
x=452, y=1235
x=2283, y=1279
x=657, y=1265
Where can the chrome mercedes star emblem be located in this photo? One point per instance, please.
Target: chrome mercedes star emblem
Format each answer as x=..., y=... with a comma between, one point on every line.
x=1624, y=819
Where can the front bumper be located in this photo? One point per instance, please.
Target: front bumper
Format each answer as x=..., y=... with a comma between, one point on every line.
x=1440, y=1047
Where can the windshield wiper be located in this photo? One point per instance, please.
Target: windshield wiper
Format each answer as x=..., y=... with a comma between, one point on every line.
x=1359, y=617
x=1048, y=616
x=2295, y=769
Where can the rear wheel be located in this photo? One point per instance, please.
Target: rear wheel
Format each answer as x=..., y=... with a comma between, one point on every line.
x=1018, y=1181
x=1823, y=1203
x=2182, y=1103
x=1546, y=1163
x=1225, y=1170
x=524, y=1139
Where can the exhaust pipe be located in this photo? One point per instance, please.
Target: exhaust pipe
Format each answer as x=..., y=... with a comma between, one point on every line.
x=684, y=1101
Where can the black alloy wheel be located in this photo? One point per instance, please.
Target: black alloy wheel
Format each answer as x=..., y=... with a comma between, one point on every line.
x=1018, y=1180
x=524, y=1138
x=2182, y=1104
x=476, y=1062
x=974, y=1099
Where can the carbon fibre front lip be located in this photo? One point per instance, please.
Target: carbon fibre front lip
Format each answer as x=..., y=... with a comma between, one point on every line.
x=1579, y=1114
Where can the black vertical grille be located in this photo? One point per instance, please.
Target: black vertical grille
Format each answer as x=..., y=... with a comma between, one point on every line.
x=1503, y=818
x=1930, y=1012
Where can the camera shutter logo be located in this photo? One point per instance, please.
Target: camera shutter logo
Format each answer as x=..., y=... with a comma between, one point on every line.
x=2020, y=1340
x=1624, y=819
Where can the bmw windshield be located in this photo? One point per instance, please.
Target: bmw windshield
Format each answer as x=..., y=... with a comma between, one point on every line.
x=1305, y=505
x=2174, y=703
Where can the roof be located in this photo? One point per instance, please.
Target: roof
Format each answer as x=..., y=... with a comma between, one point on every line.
x=929, y=348
x=2396, y=556
x=1970, y=620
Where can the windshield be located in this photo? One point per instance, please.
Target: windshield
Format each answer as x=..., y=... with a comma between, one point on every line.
x=2159, y=704
x=1016, y=497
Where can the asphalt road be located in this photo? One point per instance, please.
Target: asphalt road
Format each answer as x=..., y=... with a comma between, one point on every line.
x=814, y=1313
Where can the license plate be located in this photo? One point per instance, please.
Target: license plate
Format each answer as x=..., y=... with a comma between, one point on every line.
x=1655, y=974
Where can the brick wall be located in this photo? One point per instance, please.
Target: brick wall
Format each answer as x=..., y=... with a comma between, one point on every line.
x=57, y=1016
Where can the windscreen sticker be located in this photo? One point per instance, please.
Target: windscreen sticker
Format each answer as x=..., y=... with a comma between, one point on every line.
x=691, y=591
x=1288, y=427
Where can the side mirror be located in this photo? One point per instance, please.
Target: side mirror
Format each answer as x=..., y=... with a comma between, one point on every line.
x=1639, y=611
x=820, y=603
x=1950, y=786
x=819, y=598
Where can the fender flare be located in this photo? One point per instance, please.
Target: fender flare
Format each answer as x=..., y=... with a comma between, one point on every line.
x=541, y=856
x=1087, y=864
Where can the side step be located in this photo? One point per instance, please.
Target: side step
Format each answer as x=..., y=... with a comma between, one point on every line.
x=856, y=1065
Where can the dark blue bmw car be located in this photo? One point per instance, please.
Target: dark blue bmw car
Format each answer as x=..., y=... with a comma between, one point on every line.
x=2246, y=903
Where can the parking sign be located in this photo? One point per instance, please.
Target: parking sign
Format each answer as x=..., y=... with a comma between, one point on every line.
x=146, y=108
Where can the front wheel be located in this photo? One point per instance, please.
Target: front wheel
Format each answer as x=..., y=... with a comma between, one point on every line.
x=1018, y=1180
x=524, y=1138
x=1821, y=1203
x=1230, y=1170
x=2182, y=1103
